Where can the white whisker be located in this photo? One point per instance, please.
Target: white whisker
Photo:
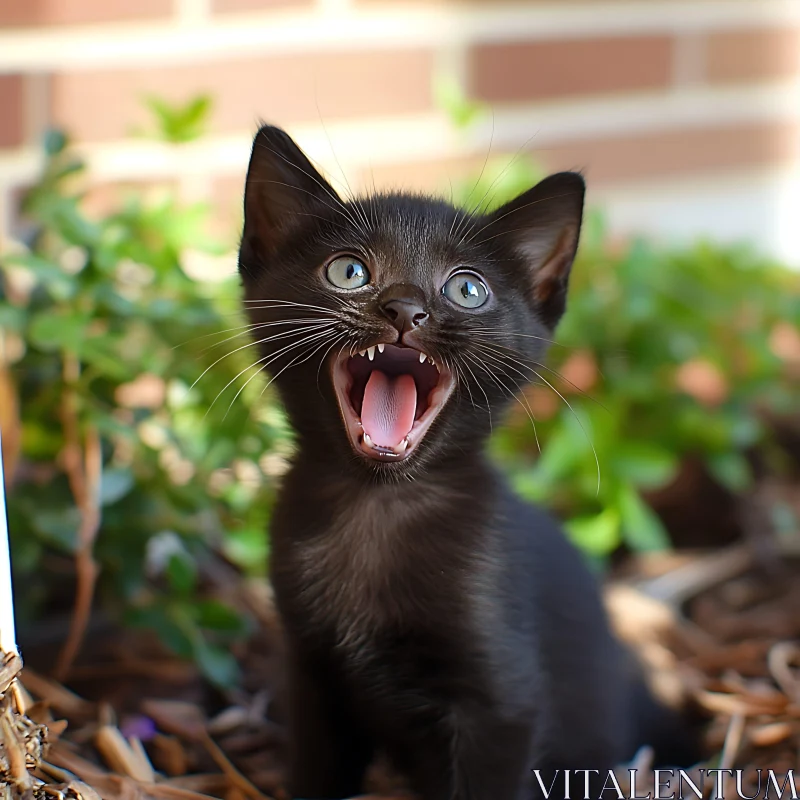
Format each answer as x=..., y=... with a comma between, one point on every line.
x=505, y=389
x=273, y=303
x=292, y=363
x=483, y=391
x=518, y=360
x=244, y=346
x=526, y=407
x=458, y=229
x=489, y=333
x=577, y=419
x=500, y=175
x=301, y=322
x=266, y=361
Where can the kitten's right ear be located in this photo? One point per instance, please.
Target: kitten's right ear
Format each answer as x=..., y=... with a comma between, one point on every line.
x=281, y=190
x=542, y=226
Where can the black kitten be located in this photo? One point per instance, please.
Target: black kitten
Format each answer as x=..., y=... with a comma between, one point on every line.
x=429, y=615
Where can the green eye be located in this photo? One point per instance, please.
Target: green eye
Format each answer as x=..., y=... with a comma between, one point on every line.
x=466, y=289
x=348, y=272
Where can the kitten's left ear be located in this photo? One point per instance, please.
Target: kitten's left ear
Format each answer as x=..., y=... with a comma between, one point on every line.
x=542, y=226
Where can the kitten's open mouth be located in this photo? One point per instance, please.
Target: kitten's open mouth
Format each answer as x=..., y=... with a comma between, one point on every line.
x=389, y=396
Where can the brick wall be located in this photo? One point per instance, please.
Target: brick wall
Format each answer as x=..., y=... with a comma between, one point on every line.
x=652, y=98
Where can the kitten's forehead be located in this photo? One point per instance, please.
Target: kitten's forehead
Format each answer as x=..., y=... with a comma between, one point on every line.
x=410, y=235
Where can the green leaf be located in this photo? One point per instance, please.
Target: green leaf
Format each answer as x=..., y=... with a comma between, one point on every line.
x=451, y=98
x=12, y=318
x=642, y=530
x=785, y=520
x=59, y=527
x=180, y=123
x=247, y=548
x=197, y=110
x=181, y=572
x=644, y=464
x=115, y=484
x=746, y=430
x=102, y=353
x=562, y=452
x=216, y=616
x=159, y=618
x=68, y=168
x=64, y=214
x=596, y=535
x=58, y=330
x=49, y=274
x=55, y=141
x=731, y=470
x=217, y=664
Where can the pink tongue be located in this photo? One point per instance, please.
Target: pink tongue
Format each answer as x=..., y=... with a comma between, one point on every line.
x=387, y=412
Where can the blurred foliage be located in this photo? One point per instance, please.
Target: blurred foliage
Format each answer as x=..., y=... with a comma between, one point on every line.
x=179, y=123
x=106, y=337
x=664, y=353
x=450, y=98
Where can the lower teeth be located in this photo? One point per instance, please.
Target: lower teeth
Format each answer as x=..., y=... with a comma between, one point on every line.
x=398, y=449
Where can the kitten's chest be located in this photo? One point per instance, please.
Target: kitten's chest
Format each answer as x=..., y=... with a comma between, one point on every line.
x=374, y=568
x=356, y=580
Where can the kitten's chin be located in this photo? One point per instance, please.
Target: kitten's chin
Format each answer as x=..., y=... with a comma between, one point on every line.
x=389, y=396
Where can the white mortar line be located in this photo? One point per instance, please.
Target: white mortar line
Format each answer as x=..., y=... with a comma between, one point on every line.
x=279, y=32
x=671, y=187
x=333, y=6
x=192, y=12
x=694, y=107
x=4, y=216
x=16, y=167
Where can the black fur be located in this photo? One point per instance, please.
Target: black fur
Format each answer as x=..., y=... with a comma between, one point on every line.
x=429, y=614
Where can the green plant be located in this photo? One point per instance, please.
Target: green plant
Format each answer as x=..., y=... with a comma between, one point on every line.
x=179, y=123
x=122, y=368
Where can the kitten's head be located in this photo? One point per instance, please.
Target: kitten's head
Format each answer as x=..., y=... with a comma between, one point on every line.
x=397, y=327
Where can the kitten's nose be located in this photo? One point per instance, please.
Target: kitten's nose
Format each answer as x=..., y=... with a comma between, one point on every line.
x=405, y=315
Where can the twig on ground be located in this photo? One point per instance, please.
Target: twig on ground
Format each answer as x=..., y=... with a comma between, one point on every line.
x=779, y=659
x=188, y=721
x=730, y=749
x=124, y=757
x=680, y=584
x=57, y=697
x=733, y=741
